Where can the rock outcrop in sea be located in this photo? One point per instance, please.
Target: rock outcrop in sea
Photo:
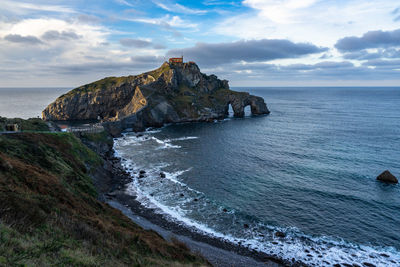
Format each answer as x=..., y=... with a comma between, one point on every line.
x=175, y=92
x=387, y=177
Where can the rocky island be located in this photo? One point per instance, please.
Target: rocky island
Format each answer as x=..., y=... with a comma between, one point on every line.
x=175, y=92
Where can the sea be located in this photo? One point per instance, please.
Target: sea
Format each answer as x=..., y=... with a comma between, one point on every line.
x=299, y=183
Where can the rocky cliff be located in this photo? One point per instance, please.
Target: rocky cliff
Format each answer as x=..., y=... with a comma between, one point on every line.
x=169, y=94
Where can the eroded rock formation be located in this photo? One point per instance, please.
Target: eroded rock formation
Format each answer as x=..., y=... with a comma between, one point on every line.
x=171, y=93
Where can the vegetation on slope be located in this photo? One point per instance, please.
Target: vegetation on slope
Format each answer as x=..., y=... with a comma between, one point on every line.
x=49, y=214
x=33, y=124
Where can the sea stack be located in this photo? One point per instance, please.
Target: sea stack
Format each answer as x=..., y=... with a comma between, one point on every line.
x=175, y=92
x=387, y=177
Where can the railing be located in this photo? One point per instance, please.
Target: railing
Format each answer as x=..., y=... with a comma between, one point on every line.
x=86, y=129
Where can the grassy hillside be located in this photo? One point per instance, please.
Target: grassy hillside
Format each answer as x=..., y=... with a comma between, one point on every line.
x=33, y=124
x=49, y=214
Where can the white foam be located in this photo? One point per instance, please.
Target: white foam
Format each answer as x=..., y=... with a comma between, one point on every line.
x=165, y=144
x=181, y=138
x=294, y=245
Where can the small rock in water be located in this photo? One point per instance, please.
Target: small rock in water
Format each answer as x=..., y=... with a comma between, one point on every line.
x=280, y=234
x=246, y=225
x=142, y=171
x=139, y=135
x=336, y=265
x=347, y=265
x=225, y=210
x=195, y=199
x=141, y=175
x=369, y=264
x=162, y=175
x=384, y=255
x=181, y=194
x=356, y=265
x=387, y=177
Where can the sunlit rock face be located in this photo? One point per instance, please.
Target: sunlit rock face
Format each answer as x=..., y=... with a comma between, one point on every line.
x=171, y=93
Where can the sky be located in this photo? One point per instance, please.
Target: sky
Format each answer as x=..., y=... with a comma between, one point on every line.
x=248, y=42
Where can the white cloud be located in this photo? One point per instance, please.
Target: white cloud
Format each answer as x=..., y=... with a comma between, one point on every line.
x=280, y=11
x=177, y=8
x=320, y=22
x=63, y=52
x=24, y=7
x=167, y=20
x=124, y=2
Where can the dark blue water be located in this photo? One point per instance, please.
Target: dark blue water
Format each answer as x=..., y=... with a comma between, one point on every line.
x=307, y=169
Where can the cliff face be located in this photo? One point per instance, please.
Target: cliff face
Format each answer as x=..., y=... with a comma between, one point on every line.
x=171, y=93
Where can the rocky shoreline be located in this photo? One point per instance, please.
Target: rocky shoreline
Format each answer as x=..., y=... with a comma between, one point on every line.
x=111, y=186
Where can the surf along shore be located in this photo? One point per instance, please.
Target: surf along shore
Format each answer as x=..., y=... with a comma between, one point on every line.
x=111, y=186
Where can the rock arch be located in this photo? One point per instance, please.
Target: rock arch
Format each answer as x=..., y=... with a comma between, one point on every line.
x=240, y=101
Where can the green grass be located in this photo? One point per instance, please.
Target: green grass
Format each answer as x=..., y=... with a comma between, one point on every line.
x=102, y=137
x=158, y=72
x=49, y=214
x=33, y=124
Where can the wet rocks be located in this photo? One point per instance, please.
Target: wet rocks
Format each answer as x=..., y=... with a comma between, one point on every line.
x=142, y=173
x=225, y=210
x=280, y=234
x=162, y=175
x=387, y=177
x=111, y=194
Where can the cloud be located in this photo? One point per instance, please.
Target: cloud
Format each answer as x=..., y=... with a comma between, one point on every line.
x=139, y=43
x=129, y=42
x=250, y=51
x=177, y=8
x=281, y=11
x=319, y=22
x=381, y=63
x=165, y=21
x=16, y=38
x=159, y=46
x=328, y=73
x=124, y=2
x=63, y=35
x=396, y=11
x=23, y=7
x=371, y=39
x=88, y=19
x=389, y=53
